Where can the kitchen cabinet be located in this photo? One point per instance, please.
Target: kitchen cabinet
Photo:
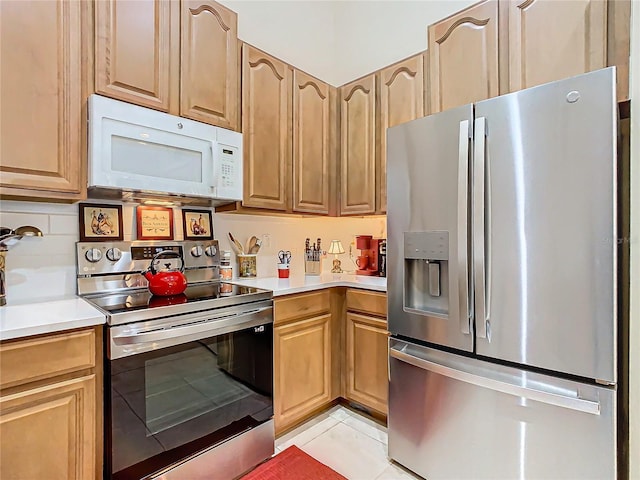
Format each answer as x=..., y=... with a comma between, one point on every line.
x=50, y=402
x=551, y=40
x=401, y=100
x=358, y=147
x=618, y=43
x=314, y=177
x=302, y=357
x=43, y=78
x=366, y=349
x=177, y=57
x=266, y=127
x=463, y=57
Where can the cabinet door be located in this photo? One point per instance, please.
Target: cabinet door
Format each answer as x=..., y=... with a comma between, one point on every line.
x=49, y=432
x=367, y=360
x=40, y=113
x=302, y=356
x=463, y=57
x=209, y=63
x=311, y=144
x=358, y=146
x=138, y=52
x=401, y=100
x=266, y=127
x=551, y=40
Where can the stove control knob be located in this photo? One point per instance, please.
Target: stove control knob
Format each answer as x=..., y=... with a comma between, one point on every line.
x=93, y=255
x=114, y=254
x=196, y=251
x=211, y=251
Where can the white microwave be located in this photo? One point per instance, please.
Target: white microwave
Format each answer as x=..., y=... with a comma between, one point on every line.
x=137, y=149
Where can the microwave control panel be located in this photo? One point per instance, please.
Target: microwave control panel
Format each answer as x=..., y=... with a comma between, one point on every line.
x=228, y=182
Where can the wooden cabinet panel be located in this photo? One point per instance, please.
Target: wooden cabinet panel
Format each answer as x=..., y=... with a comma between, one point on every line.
x=367, y=301
x=312, y=158
x=367, y=359
x=32, y=359
x=302, y=356
x=618, y=43
x=358, y=142
x=266, y=126
x=401, y=100
x=49, y=432
x=301, y=305
x=137, y=52
x=551, y=40
x=463, y=57
x=209, y=63
x=41, y=122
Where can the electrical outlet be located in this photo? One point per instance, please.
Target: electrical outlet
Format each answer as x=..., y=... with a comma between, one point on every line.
x=266, y=240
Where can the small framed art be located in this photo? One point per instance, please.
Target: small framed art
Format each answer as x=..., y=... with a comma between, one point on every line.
x=154, y=223
x=197, y=224
x=100, y=222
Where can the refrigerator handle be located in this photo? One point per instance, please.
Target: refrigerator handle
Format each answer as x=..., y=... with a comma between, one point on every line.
x=478, y=207
x=572, y=402
x=463, y=181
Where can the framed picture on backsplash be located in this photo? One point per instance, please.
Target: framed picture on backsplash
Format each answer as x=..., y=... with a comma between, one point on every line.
x=197, y=224
x=100, y=222
x=154, y=223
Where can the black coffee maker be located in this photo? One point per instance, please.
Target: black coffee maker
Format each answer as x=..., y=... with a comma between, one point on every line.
x=382, y=258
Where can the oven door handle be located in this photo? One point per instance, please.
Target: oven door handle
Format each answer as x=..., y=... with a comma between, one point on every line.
x=206, y=327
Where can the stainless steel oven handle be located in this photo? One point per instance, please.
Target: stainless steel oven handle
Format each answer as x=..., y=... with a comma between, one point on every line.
x=209, y=326
x=571, y=402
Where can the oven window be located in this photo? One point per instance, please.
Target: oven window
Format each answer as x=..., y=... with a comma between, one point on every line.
x=168, y=404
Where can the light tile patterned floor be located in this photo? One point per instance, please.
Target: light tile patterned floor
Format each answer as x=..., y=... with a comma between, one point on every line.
x=353, y=445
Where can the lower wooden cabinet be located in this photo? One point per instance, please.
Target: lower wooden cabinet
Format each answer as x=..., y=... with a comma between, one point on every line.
x=50, y=406
x=367, y=361
x=302, y=373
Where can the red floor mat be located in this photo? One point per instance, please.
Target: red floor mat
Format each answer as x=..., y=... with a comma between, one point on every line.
x=293, y=464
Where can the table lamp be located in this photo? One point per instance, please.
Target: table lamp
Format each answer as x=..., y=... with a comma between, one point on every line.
x=336, y=249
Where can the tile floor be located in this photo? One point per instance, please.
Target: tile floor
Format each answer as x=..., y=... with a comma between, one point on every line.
x=353, y=445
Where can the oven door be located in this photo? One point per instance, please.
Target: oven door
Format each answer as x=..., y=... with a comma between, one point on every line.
x=179, y=386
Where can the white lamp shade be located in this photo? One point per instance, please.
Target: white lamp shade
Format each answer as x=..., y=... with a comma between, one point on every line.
x=336, y=247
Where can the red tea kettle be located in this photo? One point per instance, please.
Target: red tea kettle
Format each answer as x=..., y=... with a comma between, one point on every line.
x=166, y=282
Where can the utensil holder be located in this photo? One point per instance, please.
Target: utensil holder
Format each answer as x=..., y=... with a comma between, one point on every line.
x=246, y=265
x=312, y=267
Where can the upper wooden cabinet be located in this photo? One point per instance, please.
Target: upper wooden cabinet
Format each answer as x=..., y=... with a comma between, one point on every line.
x=266, y=124
x=42, y=153
x=138, y=52
x=209, y=63
x=358, y=146
x=550, y=40
x=178, y=57
x=463, y=57
x=313, y=157
x=401, y=100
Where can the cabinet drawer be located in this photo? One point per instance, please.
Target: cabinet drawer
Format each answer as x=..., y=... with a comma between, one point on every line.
x=24, y=361
x=300, y=306
x=364, y=301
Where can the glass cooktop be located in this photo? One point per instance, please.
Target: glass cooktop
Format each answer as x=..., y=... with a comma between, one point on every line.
x=212, y=293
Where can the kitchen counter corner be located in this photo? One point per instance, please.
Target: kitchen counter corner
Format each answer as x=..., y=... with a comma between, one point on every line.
x=27, y=319
x=307, y=283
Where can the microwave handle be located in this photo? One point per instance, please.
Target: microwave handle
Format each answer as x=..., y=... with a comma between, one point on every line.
x=214, y=169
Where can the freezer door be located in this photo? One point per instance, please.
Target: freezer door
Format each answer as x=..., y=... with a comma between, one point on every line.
x=544, y=226
x=428, y=281
x=454, y=417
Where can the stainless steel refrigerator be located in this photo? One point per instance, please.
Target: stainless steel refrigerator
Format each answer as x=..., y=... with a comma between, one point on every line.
x=501, y=244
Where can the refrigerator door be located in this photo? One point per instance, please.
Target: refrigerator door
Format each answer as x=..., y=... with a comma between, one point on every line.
x=544, y=226
x=428, y=228
x=454, y=417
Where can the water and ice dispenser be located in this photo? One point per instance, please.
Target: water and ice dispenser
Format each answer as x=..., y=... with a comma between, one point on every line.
x=426, y=273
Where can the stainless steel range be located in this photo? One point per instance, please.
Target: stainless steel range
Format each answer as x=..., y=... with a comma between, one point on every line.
x=188, y=378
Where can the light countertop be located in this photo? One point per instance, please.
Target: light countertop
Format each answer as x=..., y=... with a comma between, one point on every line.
x=35, y=318
x=306, y=283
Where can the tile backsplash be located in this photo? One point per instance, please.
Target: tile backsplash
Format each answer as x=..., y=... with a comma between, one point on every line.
x=40, y=268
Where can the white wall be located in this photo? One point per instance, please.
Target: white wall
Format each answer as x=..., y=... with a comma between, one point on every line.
x=339, y=41
x=634, y=340
x=374, y=34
